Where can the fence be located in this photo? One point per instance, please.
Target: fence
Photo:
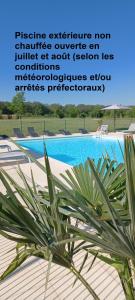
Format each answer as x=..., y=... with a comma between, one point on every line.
x=55, y=124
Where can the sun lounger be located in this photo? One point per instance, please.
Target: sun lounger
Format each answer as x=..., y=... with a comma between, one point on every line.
x=65, y=132
x=18, y=133
x=32, y=132
x=131, y=128
x=83, y=130
x=13, y=155
x=4, y=146
x=4, y=137
x=49, y=133
x=102, y=129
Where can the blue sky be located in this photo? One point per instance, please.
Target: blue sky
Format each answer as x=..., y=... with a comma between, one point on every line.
x=115, y=16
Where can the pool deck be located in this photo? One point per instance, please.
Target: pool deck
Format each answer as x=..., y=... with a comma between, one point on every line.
x=117, y=134
x=28, y=282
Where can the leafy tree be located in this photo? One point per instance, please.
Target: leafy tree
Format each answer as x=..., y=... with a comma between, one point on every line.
x=60, y=113
x=83, y=109
x=54, y=108
x=5, y=108
x=83, y=115
x=20, y=107
x=38, y=109
x=28, y=108
x=131, y=112
x=96, y=111
x=47, y=110
x=18, y=104
x=71, y=111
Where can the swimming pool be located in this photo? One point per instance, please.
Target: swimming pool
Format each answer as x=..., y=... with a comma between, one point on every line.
x=75, y=150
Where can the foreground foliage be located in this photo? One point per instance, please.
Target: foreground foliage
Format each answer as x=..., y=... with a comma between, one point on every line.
x=45, y=225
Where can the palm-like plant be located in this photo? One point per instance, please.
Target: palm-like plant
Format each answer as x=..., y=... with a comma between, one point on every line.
x=114, y=223
x=37, y=225
x=102, y=197
x=83, y=188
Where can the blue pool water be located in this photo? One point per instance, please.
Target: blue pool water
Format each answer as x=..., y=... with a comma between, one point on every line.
x=75, y=150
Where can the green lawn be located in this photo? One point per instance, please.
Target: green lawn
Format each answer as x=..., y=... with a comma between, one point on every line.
x=54, y=124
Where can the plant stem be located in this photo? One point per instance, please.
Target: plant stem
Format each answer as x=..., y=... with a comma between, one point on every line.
x=84, y=282
x=127, y=283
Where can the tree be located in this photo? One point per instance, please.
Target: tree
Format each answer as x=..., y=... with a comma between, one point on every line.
x=83, y=115
x=71, y=110
x=38, y=109
x=54, y=108
x=60, y=113
x=18, y=104
x=83, y=109
x=5, y=108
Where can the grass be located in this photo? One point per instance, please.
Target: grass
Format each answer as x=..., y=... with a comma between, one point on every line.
x=54, y=124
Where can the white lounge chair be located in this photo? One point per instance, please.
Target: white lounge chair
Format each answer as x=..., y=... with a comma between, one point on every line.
x=102, y=129
x=131, y=128
x=13, y=155
x=4, y=146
